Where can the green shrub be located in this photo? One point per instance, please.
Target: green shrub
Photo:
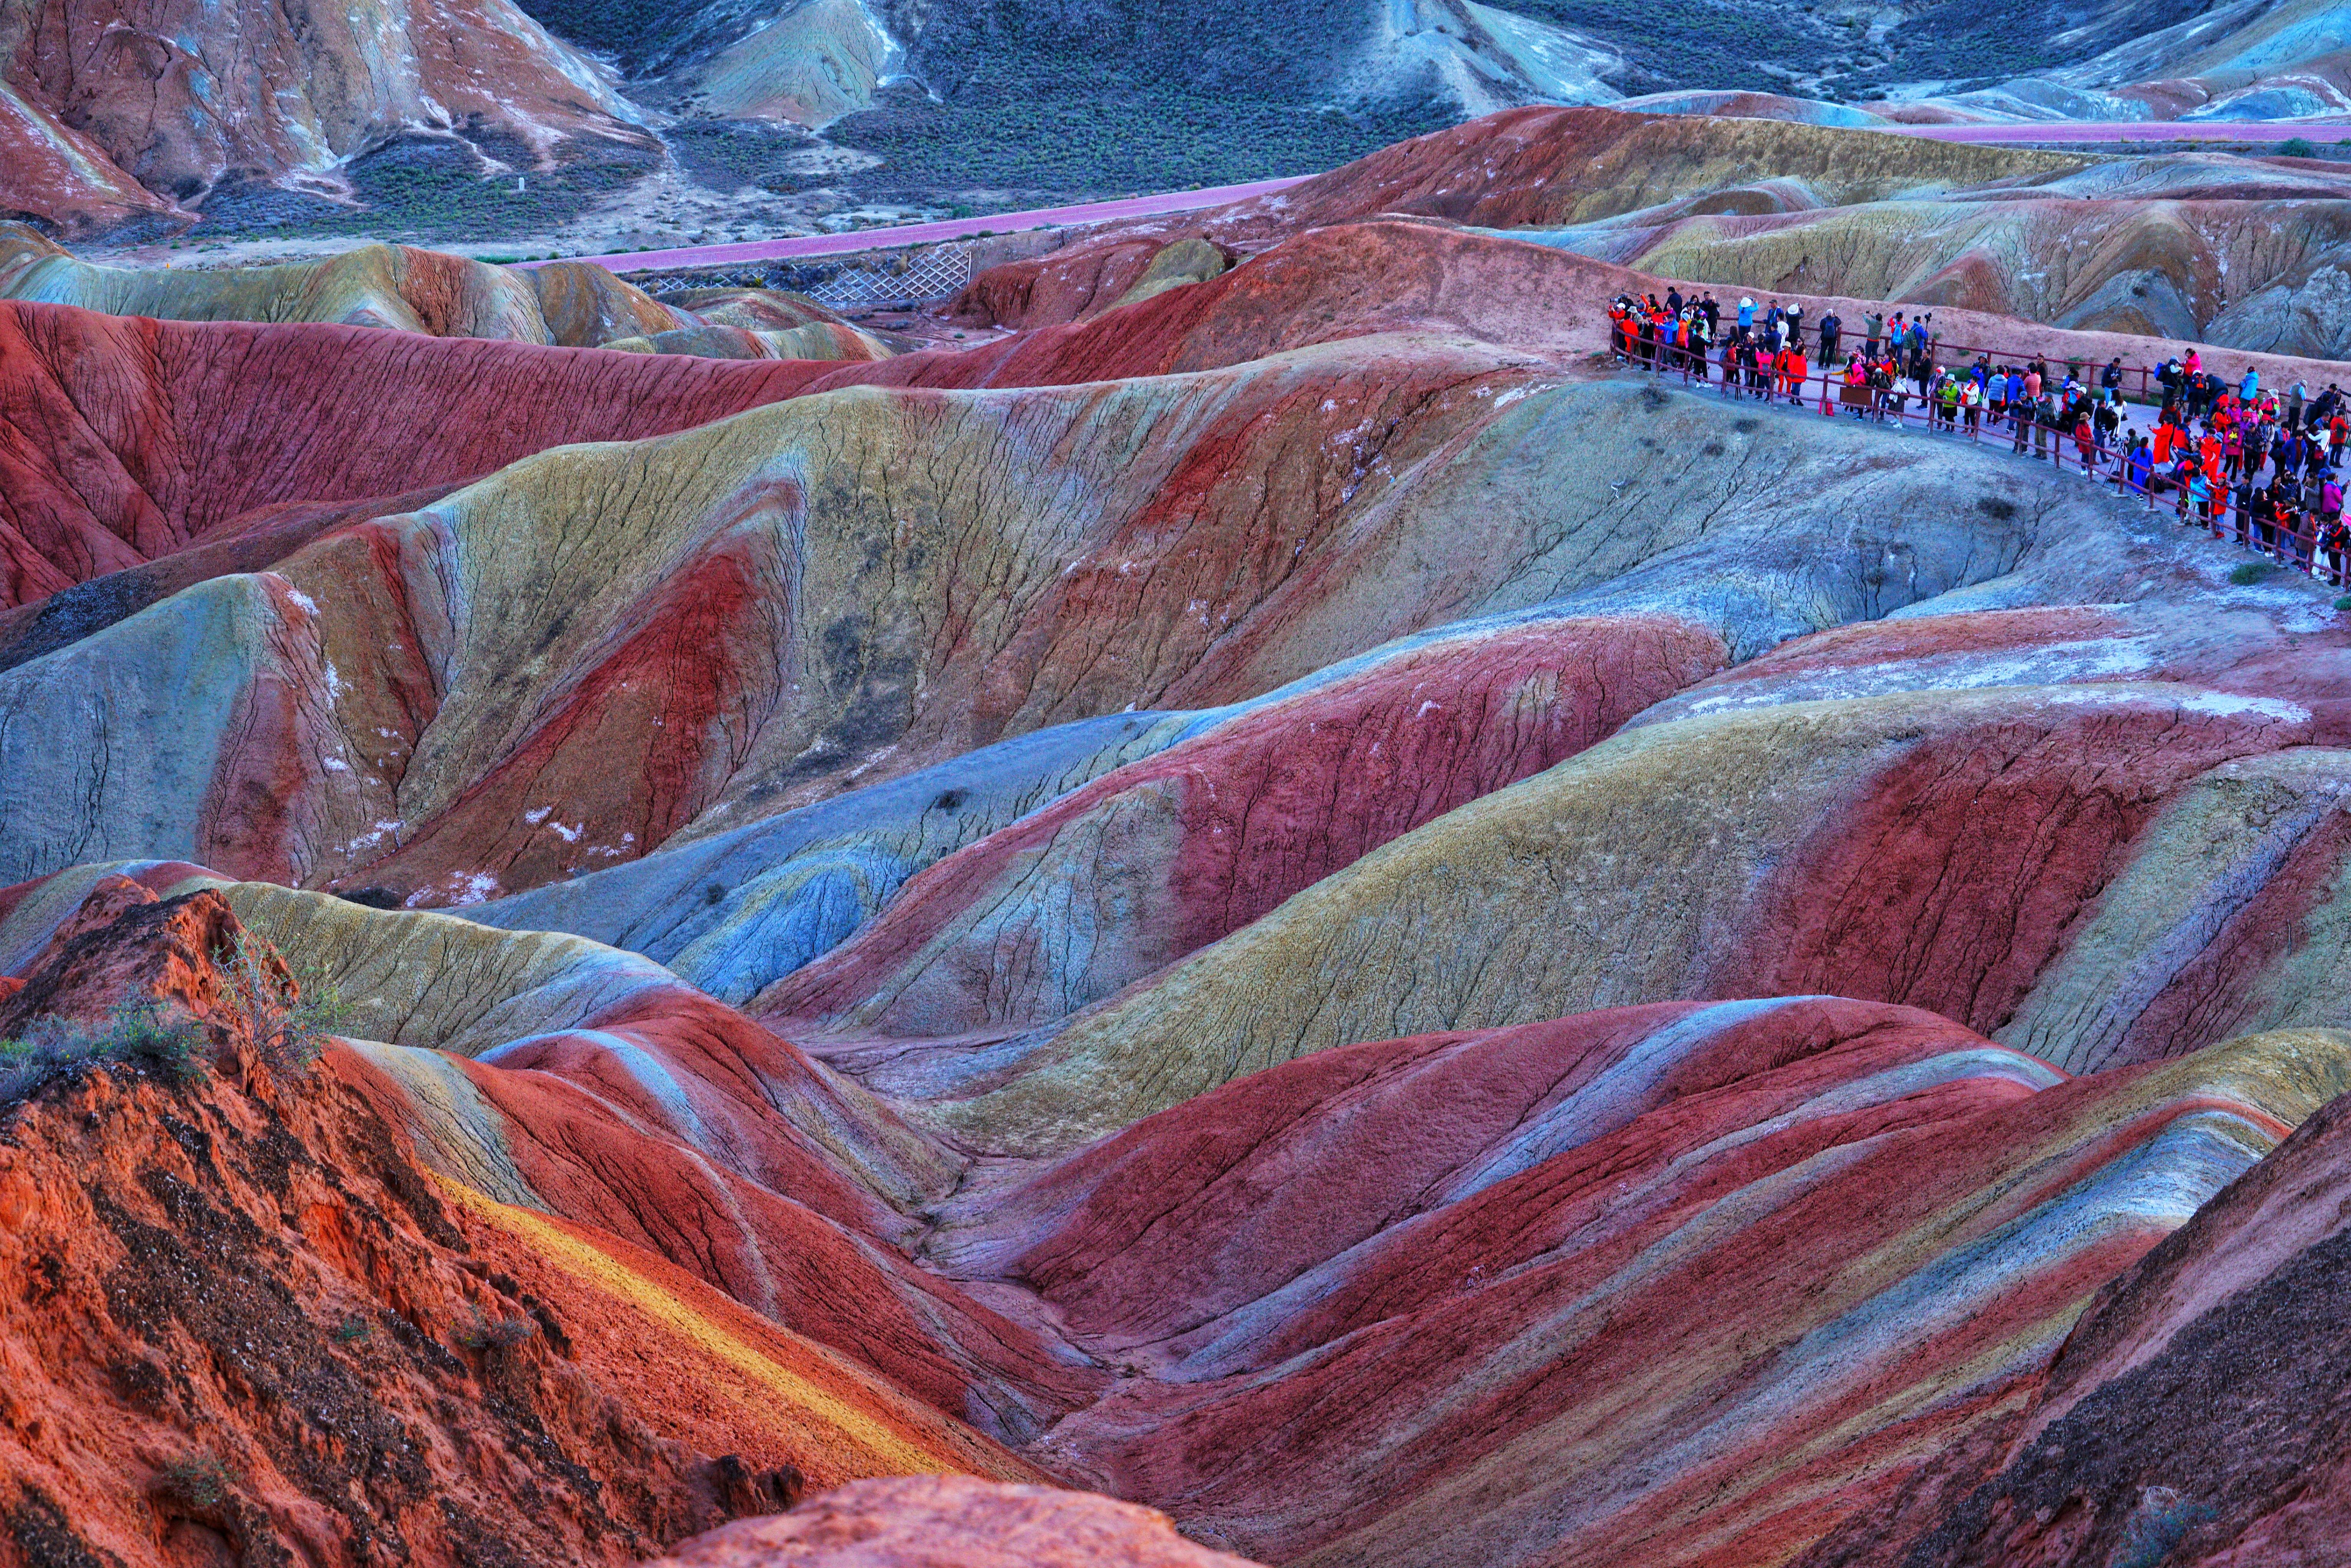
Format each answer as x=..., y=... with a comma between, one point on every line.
x=1045, y=136
x=2250, y=572
x=290, y=1013
x=199, y=1482
x=2298, y=147
x=2343, y=603
x=494, y=1333
x=139, y=1033
x=449, y=197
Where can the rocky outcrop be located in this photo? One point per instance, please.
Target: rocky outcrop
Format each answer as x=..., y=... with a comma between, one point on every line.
x=2194, y=1415
x=252, y=1327
x=62, y=179
x=951, y=1521
x=176, y=98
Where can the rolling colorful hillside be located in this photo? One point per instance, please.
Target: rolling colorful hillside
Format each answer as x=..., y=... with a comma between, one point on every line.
x=1262, y=911
x=166, y=130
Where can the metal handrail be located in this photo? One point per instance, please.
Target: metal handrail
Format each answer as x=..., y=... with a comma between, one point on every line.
x=2147, y=374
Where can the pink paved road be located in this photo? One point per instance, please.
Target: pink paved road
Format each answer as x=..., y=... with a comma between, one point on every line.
x=928, y=234
x=1191, y=201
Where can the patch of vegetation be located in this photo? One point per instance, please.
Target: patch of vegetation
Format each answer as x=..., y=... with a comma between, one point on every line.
x=1704, y=43
x=199, y=1483
x=138, y=1033
x=728, y=153
x=1953, y=39
x=644, y=34
x=2343, y=603
x=290, y=1013
x=1070, y=142
x=242, y=204
x=429, y=189
x=2297, y=146
x=495, y=1339
x=485, y=1334
x=2250, y=572
x=350, y=1331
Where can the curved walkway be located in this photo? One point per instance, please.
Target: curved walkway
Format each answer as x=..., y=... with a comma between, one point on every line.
x=1824, y=395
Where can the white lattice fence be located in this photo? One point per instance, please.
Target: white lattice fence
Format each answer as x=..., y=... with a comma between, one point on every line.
x=937, y=274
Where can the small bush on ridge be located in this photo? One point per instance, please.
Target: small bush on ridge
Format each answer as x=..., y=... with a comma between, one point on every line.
x=137, y=1031
x=200, y=1482
x=290, y=1013
x=494, y=1333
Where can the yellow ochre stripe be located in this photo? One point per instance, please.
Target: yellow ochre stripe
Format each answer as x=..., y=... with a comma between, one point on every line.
x=891, y=1453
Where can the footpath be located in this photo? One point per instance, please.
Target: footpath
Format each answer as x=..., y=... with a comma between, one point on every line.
x=2225, y=514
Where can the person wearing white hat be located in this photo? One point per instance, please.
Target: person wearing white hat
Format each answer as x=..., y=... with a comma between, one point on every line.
x=1746, y=313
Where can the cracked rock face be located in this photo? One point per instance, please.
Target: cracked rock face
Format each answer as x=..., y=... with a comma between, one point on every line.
x=1281, y=918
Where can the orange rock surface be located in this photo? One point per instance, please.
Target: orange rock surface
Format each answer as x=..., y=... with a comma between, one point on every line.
x=248, y=1325
x=950, y=1521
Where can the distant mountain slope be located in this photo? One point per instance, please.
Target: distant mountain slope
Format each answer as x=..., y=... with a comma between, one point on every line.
x=500, y=118
x=186, y=99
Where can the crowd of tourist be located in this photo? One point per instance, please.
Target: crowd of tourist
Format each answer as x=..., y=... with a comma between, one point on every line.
x=2227, y=456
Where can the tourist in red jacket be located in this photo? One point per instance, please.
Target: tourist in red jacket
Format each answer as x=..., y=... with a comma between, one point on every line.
x=1794, y=372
